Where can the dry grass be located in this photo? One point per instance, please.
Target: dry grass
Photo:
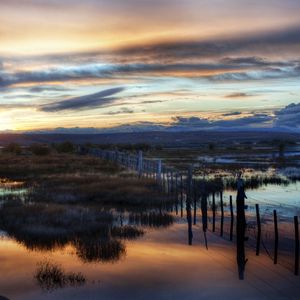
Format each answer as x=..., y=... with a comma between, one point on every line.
x=69, y=178
x=95, y=188
x=31, y=167
x=75, y=200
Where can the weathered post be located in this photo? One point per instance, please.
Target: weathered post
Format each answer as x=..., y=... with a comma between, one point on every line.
x=127, y=161
x=240, y=227
x=258, y=236
x=222, y=213
x=296, y=245
x=115, y=156
x=140, y=162
x=189, y=181
x=214, y=212
x=189, y=220
x=171, y=183
x=195, y=195
x=168, y=182
x=231, y=218
x=176, y=192
x=204, y=211
x=181, y=196
x=275, y=236
x=158, y=171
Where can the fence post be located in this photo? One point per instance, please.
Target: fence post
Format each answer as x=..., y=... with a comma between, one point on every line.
x=158, y=171
x=181, y=196
x=195, y=195
x=176, y=192
x=214, y=212
x=296, y=245
x=258, y=237
x=222, y=213
x=168, y=182
x=240, y=227
x=140, y=162
x=231, y=218
x=171, y=183
x=276, y=236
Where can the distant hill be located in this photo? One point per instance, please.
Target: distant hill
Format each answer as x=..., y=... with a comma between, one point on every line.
x=179, y=139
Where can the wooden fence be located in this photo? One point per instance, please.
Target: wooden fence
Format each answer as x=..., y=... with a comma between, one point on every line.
x=185, y=187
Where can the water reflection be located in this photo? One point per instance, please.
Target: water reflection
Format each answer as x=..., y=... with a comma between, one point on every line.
x=151, y=219
x=204, y=216
x=97, y=234
x=100, y=237
x=189, y=221
x=90, y=250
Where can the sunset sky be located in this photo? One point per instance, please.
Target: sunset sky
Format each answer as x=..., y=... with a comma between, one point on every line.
x=147, y=64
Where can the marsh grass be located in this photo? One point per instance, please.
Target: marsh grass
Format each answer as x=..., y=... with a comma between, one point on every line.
x=255, y=182
x=76, y=200
x=35, y=168
x=70, y=178
x=51, y=276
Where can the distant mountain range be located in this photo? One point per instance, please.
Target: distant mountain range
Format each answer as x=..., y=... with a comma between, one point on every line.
x=164, y=138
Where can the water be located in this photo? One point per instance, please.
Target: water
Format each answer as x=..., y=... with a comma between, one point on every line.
x=283, y=198
x=159, y=264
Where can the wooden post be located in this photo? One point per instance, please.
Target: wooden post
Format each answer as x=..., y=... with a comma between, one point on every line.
x=195, y=201
x=181, y=196
x=176, y=192
x=296, y=245
x=189, y=220
x=189, y=181
x=222, y=213
x=240, y=228
x=140, y=162
x=168, y=183
x=158, y=170
x=164, y=181
x=258, y=236
x=276, y=236
x=231, y=218
x=214, y=212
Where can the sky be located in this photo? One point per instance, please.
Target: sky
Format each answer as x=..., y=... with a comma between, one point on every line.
x=149, y=64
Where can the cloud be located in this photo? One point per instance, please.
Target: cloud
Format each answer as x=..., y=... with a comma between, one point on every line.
x=51, y=88
x=237, y=95
x=248, y=60
x=224, y=71
x=234, y=113
x=84, y=102
x=286, y=119
x=288, y=116
x=228, y=58
x=265, y=42
x=196, y=122
x=124, y=110
x=252, y=121
x=179, y=121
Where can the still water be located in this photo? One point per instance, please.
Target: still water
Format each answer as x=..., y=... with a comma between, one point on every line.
x=161, y=264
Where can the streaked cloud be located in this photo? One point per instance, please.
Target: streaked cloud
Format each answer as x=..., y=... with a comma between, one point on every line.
x=83, y=102
x=237, y=95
